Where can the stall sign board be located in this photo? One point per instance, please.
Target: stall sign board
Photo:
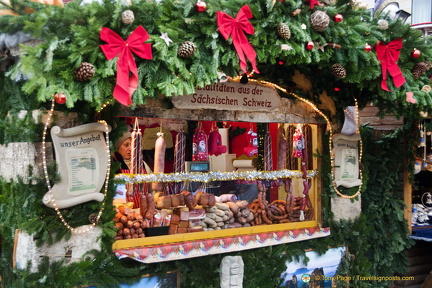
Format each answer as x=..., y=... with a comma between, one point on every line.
x=82, y=161
x=231, y=96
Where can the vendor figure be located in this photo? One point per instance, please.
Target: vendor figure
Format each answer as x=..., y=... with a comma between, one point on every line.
x=123, y=155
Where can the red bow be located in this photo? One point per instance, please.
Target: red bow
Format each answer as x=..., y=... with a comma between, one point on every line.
x=236, y=28
x=312, y=3
x=388, y=55
x=126, y=85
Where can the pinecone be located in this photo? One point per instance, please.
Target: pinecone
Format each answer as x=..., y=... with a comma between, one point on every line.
x=419, y=69
x=187, y=49
x=338, y=71
x=320, y=21
x=84, y=72
x=283, y=31
x=383, y=24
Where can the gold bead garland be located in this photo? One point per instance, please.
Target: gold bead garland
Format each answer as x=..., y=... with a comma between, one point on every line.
x=74, y=230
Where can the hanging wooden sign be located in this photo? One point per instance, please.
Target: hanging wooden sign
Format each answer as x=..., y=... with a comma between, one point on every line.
x=346, y=162
x=231, y=96
x=82, y=162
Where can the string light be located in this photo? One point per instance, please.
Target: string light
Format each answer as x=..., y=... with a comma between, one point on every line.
x=51, y=195
x=329, y=128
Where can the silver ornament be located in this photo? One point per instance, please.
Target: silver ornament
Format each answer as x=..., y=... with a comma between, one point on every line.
x=128, y=17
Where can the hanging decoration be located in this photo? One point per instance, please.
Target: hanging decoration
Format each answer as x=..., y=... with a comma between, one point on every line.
x=319, y=21
x=236, y=28
x=298, y=142
x=388, y=55
x=60, y=98
x=127, y=17
x=338, y=18
x=310, y=45
x=215, y=142
x=282, y=152
x=416, y=53
x=350, y=124
x=201, y=6
x=127, y=72
x=252, y=139
x=179, y=158
x=200, y=145
x=268, y=157
x=409, y=97
x=368, y=48
x=164, y=36
x=135, y=191
x=299, y=151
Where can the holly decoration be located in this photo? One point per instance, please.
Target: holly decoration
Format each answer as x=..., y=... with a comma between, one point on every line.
x=201, y=6
x=338, y=71
x=283, y=31
x=60, y=98
x=84, y=72
x=338, y=18
x=416, y=53
x=187, y=49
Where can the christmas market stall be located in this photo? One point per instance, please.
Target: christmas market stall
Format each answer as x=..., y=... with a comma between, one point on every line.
x=184, y=140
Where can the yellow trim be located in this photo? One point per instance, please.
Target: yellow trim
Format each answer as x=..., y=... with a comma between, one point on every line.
x=196, y=236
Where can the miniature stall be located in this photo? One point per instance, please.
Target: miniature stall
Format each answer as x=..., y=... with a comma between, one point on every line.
x=217, y=195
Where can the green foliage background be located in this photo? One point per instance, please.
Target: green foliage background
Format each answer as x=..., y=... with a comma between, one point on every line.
x=71, y=36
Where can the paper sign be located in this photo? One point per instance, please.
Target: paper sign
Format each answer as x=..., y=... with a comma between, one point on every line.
x=82, y=162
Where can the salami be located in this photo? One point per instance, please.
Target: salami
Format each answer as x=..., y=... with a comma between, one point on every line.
x=159, y=160
x=179, y=158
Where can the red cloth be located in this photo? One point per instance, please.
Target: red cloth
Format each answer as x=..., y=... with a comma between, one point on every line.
x=127, y=72
x=236, y=28
x=388, y=55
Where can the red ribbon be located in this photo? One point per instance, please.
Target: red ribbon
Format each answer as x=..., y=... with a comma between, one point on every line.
x=312, y=3
x=236, y=28
x=127, y=72
x=388, y=55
